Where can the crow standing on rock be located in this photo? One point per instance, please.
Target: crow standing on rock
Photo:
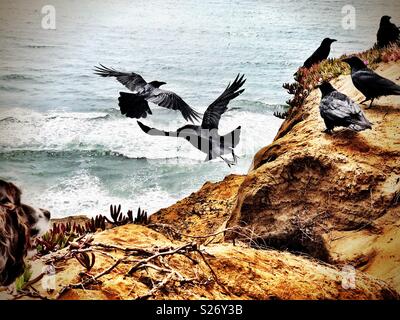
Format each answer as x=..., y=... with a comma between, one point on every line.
x=135, y=105
x=206, y=137
x=369, y=83
x=338, y=110
x=388, y=33
x=320, y=54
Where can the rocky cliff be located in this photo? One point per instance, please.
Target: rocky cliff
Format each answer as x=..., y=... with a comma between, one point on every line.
x=333, y=197
x=311, y=209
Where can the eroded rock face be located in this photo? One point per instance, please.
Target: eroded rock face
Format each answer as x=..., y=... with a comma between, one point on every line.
x=307, y=185
x=204, y=211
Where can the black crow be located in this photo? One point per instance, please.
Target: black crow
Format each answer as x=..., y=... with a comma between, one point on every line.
x=206, y=137
x=320, y=54
x=369, y=83
x=338, y=110
x=388, y=33
x=135, y=105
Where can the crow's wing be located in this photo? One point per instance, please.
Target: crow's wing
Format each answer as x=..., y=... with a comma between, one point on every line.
x=131, y=80
x=314, y=58
x=372, y=84
x=337, y=106
x=318, y=55
x=395, y=31
x=171, y=100
x=220, y=105
x=133, y=106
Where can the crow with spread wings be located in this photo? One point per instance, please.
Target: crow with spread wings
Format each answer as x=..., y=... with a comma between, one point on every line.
x=135, y=105
x=206, y=137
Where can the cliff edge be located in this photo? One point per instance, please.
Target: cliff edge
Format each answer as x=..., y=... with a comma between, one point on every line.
x=333, y=197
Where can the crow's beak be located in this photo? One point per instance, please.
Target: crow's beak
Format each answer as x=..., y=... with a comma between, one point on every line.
x=333, y=40
x=346, y=60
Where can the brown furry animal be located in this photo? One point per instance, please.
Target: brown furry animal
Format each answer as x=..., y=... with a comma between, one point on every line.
x=19, y=223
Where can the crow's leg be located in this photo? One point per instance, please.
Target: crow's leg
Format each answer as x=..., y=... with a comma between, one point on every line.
x=328, y=131
x=329, y=127
x=370, y=105
x=365, y=100
x=208, y=157
x=229, y=163
x=235, y=157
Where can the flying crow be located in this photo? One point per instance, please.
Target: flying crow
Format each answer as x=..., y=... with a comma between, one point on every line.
x=206, y=137
x=320, y=54
x=135, y=105
x=369, y=83
x=388, y=33
x=338, y=110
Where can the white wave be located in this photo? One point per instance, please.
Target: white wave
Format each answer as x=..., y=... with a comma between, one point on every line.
x=85, y=194
x=83, y=190
x=61, y=131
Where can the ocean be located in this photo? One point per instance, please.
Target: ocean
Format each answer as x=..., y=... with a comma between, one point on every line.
x=62, y=137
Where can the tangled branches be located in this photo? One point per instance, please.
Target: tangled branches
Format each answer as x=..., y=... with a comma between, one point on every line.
x=155, y=258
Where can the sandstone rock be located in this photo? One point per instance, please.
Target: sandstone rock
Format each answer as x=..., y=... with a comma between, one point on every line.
x=204, y=211
x=307, y=186
x=242, y=273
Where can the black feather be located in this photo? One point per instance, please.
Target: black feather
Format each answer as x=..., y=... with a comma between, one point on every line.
x=133, y=106
x=320, y=54
x=369, y=83
x=338, y=110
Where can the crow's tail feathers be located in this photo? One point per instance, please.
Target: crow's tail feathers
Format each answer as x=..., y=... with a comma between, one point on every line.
x=232, y=138
x=133, y=106
x=156, y=132
x=360, y=124
x=396, y=90
x=359, y=127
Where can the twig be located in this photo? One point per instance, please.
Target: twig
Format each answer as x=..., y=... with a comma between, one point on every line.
x=157, y=287
x=138, y=251
x=183, y=248
x=88, y=281
x=33, y=281
x=33, y=293
x=174, y=230
x=213, y=272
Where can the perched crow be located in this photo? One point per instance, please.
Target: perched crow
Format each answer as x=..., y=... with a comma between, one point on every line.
x=369, y=83
x=320, y=54
x=388, y=33
x=135, y=105
x=206, y=137
x=338, y=110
